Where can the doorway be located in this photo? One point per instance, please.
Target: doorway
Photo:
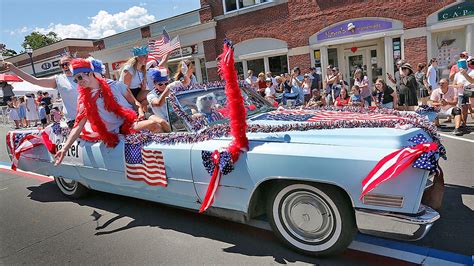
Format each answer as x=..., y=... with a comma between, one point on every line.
x=365, y=58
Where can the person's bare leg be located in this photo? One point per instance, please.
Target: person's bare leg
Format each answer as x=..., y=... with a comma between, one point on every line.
x=165, y=126
x=464, y=110
x=142, y=99
x=457, y=121
x=151, y=125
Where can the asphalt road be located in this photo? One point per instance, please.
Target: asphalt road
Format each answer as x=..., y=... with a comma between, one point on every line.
x=38, y=225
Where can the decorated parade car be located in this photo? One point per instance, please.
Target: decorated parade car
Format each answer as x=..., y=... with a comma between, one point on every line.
x=316, y=175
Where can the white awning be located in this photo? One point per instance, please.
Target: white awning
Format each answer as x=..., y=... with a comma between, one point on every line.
x=22, y=88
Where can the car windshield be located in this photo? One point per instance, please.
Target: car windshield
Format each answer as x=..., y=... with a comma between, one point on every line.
x=211, y=105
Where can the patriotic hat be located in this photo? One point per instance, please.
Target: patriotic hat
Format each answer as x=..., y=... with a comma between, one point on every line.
x=97, y=65
x=79, y=65
x=151, y=61
x=138, y=51
x=159, y=74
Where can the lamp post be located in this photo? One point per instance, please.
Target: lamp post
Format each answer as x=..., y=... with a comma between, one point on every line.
x=29, y=51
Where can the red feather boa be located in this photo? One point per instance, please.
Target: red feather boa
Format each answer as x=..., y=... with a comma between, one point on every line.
x=235, y=103
x=90, y=111
x=238, y=126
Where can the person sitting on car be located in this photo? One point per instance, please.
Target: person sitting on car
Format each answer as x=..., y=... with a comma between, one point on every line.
x=157, y=96
x=97, y=105
x=206, y=107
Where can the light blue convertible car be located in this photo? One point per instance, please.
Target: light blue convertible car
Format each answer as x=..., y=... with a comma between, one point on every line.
x=303, y=178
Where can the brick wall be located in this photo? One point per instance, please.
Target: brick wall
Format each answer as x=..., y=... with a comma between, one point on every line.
x=295, y=21
x=302, y=61
x=415, y=51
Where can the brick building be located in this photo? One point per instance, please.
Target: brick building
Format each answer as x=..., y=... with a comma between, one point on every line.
x=46, y=59
x=276, y=35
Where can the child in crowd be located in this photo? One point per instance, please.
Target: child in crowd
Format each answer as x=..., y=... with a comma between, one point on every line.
x=356, y=99
x=42, y=114
x=269, y=90
x=22, y=111
x=56, y=115
x=316, y=100
x=12, y=110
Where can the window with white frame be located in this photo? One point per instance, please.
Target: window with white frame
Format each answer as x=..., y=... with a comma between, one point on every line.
x=233, y=5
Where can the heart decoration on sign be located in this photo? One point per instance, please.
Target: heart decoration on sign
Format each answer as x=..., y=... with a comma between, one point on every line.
x=354, y=49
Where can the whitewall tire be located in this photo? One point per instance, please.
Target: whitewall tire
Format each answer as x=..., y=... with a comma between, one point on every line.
x=316, y=220
x=71, y=188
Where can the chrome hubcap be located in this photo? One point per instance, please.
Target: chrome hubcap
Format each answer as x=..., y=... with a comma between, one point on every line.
x=307, y=216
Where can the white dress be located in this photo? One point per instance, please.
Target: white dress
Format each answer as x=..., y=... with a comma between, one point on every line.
x=31, y=109
x=13, y=114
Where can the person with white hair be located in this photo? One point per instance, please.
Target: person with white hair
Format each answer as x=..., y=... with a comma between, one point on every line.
x=206, y=107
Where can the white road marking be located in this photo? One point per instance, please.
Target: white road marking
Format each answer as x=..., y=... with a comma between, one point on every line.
x=454, y=137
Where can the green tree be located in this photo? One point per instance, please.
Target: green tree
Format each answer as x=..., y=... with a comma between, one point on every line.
x=9, y=52
x=37, y=40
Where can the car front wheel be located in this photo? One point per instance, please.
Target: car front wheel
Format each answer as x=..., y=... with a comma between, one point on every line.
x=71, y=188
x=315, y=220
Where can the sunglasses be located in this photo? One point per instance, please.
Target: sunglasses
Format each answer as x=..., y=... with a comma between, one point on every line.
x=462, y=56
x=160, y=83
x=65, y=65
x=207, y=98
x=80, y=77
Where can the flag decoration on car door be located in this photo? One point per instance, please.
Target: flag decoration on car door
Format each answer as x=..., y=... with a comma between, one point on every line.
x=142, y=164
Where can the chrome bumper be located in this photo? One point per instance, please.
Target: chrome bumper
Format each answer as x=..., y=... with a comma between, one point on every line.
x=396, y=225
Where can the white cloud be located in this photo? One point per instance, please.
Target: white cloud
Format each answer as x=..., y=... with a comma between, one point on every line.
x=103, y=24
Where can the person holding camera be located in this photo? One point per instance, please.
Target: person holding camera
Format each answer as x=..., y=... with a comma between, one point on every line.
x=463, y=78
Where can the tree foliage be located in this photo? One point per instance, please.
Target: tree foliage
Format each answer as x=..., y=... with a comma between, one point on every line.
x=9, y=52
x=37, y=40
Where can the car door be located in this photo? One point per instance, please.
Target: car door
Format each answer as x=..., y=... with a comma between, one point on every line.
x=234, y=189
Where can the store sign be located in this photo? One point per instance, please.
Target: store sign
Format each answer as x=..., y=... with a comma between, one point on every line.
x=185, y=51
x=50, y=65
x=460, y=10
x=354, y=28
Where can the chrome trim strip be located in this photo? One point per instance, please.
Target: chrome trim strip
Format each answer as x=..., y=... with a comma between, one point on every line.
x=396, y=225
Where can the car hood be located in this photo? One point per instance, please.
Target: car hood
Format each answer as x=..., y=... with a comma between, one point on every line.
x=359, y=137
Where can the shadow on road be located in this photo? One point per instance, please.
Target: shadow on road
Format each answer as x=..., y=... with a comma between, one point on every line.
x=245, y=240
x=455, y=225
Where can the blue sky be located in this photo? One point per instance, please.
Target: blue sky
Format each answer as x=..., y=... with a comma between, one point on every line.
x=82, y=19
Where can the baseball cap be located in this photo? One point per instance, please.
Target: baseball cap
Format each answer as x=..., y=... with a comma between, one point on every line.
x=268, y=80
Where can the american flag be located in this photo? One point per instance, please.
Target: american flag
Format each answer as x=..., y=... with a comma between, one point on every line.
x=145, y=165
x=22, y=142
x=393, y=164
x=315, y=116
x=164, y=46
x=27, y=143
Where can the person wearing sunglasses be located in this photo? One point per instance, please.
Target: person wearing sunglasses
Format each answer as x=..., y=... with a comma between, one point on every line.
x=62, y=82
x=157, y=97
x=100, y=116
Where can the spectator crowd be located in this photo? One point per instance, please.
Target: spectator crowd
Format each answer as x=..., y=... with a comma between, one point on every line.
x=408, y=89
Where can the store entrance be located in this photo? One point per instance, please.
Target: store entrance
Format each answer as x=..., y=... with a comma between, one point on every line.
x=364, y=58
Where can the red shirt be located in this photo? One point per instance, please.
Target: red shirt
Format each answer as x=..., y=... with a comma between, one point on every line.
x=344, y=101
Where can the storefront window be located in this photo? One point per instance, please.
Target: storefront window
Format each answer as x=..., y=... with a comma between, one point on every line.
x=278, y=64
x=232, y=5
x=256, y=65
x=332, y=57
x=446, y=47
x=397, y=52
x=376, y=70
x=240, y=69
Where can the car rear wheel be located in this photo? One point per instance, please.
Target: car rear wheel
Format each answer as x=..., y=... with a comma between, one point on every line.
x=315, y=220
x=71, y=188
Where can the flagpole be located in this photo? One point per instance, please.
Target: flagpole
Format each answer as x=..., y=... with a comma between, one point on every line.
x=180, y=49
